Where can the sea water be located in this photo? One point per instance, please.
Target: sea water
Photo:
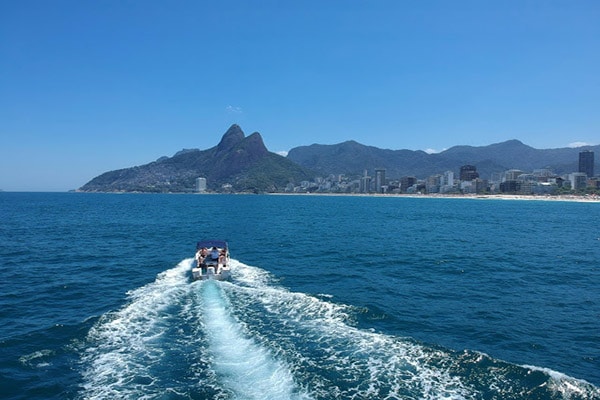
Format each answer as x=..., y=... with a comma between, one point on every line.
x=332, y=297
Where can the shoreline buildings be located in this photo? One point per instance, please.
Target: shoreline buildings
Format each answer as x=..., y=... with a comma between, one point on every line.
x=512, y=181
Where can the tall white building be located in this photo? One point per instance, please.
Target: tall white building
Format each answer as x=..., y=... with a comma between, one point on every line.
x=365, y=183
x=448, y=178
x=447, y=182
x=578, y=180
x=379, y=179
x=200, y=185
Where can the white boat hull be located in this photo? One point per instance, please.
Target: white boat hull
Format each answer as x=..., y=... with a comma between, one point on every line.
x=210, y=273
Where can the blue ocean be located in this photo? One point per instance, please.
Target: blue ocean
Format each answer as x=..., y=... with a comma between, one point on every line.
x=331, y=297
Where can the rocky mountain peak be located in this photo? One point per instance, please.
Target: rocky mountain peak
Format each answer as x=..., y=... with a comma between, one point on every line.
x=231, y=138
x=254, y=144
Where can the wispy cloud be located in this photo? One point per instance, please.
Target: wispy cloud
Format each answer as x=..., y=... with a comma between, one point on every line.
x=580, y=144
x=282, y=153
x=433, y=151
x=233, y=109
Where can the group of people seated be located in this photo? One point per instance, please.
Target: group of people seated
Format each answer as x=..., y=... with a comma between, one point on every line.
x=203, y=254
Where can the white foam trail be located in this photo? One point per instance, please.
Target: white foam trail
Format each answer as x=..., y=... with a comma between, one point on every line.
x=249, y=275
x=124, y=345
x=342, y=361
x=567, y=386
x=244, y=367
x=251, y=339
x=37, y=359
x=353, y=363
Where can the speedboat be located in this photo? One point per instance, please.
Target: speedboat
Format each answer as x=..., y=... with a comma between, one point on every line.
x=211, y=260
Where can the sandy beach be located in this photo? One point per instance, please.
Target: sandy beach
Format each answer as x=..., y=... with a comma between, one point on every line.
x=570, y=198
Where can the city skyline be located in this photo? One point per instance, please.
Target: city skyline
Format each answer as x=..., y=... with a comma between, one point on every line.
x=541, y=181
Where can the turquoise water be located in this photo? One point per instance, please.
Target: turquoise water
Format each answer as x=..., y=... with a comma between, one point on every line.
x=331, y=298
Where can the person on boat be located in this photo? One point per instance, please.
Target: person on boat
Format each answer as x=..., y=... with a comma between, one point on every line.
x=204, y=252
x=223, y=257
x=214, y=253
x=200, y=257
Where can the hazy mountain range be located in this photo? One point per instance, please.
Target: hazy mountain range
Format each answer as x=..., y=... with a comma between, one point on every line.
x=243, y=164
x=353, y=158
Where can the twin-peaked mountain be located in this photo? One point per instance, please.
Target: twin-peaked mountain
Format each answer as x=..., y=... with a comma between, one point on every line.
x=243, y=164
x=239, y=161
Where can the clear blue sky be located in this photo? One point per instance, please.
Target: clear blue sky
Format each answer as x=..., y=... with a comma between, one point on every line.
x=91, y=86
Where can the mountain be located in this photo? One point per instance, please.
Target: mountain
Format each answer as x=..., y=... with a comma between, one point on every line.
x=243, y=164
x=352, y=158
x=240, y=161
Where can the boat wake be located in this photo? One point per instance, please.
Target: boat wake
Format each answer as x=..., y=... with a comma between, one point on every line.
x=251, y=339
x=246, y=368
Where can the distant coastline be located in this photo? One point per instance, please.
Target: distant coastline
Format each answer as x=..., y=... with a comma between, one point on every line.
x=564, y=197
x=571, y=198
